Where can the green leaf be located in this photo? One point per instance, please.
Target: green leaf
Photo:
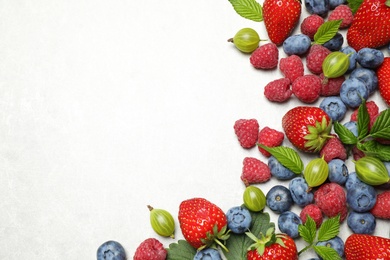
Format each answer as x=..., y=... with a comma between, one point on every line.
x=327, y=253
x=381, y=126
x=354, y=5
x=345, y=135
x=308, y=230
x=373, y=148
x=327, y=31
x=287, y=156
x=249, y=9
x=181, y=251
x=329, y=229
x=363, y=120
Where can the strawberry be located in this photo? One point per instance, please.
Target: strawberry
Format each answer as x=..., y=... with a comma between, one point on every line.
x=307, y=128
x=272, y=246
x=383, y=74
x=362, y=246
x=280, y=18
x=370, y=26
x=202, y=223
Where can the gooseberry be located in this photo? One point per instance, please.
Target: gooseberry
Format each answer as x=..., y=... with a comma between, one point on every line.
x=316, y=172
x=371, y=170
x=254, y=198
x=335, y=64
x=162, y=222
x=246, y=40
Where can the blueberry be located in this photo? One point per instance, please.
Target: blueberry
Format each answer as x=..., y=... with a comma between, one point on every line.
x=386, y=186
x=352, y=181
x=335, y=43
x=208, y=254
x=338, y=171
x=300, y=192
x=370, y=58
x=288, y=223
x=320, y=7
x=361, y=223
x=352, y=91
x=278, y=170
x=352, y=57
x=111, y=250
x=297, y=44
x=361, y=197
x=238, y=219
x=279, y=199
x=367, y=76
x=336, y=243
x=334, y=107
x=352, y=126
x=334, y=3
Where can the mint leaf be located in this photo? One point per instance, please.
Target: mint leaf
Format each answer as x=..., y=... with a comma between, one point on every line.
x=308, y=230
x=249, y=9
x=373, y=148
x=329, y=229
x=344, y=134
x=327, y=31
x=287, y=156
x=327, y=253
x=180, y=251
x=381, y=126
x=354, y=5
x=363, y=120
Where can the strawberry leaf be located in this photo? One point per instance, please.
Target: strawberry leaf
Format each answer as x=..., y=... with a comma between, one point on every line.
x=327, y=253
x=329, y=229
x=327, y=31
x=308, y=230
x=249, y=9
x=354, y=5
x=381, y=126
x=287, y=156
x=373, y=148
x=180, y=251
x=345, y=135
x=363, y=120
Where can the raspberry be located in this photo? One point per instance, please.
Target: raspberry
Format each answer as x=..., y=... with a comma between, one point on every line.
x=278, y=90
x=357, y=154
x=314, y=212
x=265, y=56
x=254, y=171
x=344, y=13
x=373, y=111
x=331, y=199
x=247, y=131
x=310, y=25
x=150, y=249
x=381, y=208
x=331, y=87
x=291, y=67
x=307, y=88
x=334, y=149
x=315, y=58
x=271, y=138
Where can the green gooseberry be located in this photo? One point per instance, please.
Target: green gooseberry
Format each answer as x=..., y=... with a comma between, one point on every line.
x=254, y=198
x=246, y=40
x=371, y=170
x=316, y=172
x=335, y=64
x=162, y=222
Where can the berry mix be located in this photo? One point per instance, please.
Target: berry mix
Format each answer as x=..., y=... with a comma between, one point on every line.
x=341, y=74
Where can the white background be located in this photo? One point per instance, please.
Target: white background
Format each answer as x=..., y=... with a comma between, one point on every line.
x=108, y=106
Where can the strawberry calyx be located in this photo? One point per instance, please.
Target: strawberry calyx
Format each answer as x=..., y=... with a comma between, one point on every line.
x=318, y=135
x=265, y=240
x=216, y=238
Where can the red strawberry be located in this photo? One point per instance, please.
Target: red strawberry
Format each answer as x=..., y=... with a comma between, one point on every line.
x=280, y=18
x=307, y=128
x=362, y=246
x=271, y=246
x=383, y=74
x=202, y=223
x=370, y=26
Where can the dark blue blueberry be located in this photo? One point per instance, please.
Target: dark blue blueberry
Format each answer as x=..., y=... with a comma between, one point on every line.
x=334, y=107
x=361, y=197
x=297, y=44
x=208, y=254
x=111, y=250
x=352, y=181
x=338, y=171
x=278, y=170
x=336, y=243
x=352, y=91
x=238, y=219
x=334, y=3
x=335, y=43
x=300, y=192
x=352, y=57
x=288, y=223
x=279, y=199
x=361, y=223
x=370, y=58
x=320, y=7
x=352, y=126
x=368, y=76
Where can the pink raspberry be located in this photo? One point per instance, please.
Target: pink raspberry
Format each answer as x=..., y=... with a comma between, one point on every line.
x=307, y=88
x=291, y=67
x=357, y=154
x=344, y=13
x=314, y=212
x=310, y=25
x=381, y=208
x=315, y=58
x=265, y=57
x=271, y=138
x=254, y=171
x=331, y=199
x=150, y=249
x=247, y=131
x=278, y=90
x=334, y=149
x=331, y=87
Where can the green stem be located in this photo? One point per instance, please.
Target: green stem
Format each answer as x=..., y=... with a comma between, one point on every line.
x=304, y=249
